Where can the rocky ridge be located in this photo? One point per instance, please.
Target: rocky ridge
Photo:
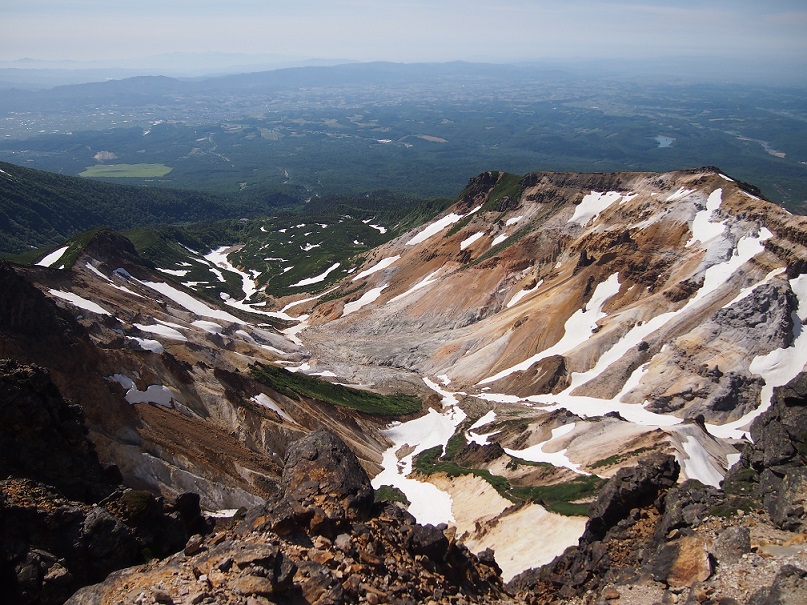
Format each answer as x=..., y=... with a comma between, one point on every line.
x=321, y=541
x=602, y=319
x=64, y=520
x=649, y=540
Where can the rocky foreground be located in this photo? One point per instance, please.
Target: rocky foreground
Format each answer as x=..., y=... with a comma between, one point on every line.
x=323, y=539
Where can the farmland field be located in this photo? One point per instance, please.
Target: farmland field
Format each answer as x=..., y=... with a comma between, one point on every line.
x=142, y=171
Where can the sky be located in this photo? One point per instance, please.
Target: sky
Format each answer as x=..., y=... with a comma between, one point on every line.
x=773, y=31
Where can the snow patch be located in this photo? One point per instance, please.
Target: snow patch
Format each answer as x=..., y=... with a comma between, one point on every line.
x=78, y=301
x=176, y=272
x=52, y=258
x=426, y=281
x=698, y=463
x=317, y=278
x=268, y=402
x=208, y=326
x=536, y=453
x=366, y=298
x=190, y=303
x=147, y=344
x=592, y=205
x=578, y=328
x=155, y=393
x=471, y=239
x=428, y=503
x=520, y=295
x=380, y=266
x=162, y=330
x=703, y=229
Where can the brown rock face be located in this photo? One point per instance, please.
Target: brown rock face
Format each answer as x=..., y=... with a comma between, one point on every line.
x=321, y=473
x=43, y=437
x=286, y=550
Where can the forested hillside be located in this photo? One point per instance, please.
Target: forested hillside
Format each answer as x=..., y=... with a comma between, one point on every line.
x=40, y=208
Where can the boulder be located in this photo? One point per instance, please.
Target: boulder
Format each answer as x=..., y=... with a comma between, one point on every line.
x=630, y=488
x=324, y=480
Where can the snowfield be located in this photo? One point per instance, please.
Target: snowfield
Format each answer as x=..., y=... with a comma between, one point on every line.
x=78, y=301
x=53, y=258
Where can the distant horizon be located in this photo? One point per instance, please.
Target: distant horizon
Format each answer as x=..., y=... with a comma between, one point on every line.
x=204, y=65
x=768, y=37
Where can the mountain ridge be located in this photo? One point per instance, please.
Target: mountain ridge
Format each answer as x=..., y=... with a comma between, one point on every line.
x=557, y=328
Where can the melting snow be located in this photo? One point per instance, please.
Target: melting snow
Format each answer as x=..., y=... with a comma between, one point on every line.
x=316, y=279
x=381, y=265
x=526, y=292
x=578, y=328
x=426, y=281
x=428, y=503
x=177, y=272
x=498, y=240
x=434, y=228
x=52, y=258
x=190, y=303
x=680, y=194
x=208, y=326
x=471, y=239
x=268, y=402
x=366, y=298
x=162, y=330
x=486, y=419
x=155, y=393
x=536, y=453
x=148, y=344
x=438, y=226
x=703, y=229
x=79, y=302
x=512, y=221
x=592, y=205
x=698, y=463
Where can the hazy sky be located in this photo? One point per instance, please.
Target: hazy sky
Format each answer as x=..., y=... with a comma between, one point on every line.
x=405, y=30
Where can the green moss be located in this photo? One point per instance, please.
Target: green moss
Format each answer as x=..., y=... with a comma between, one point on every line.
x=561, y=497
x=297, y=384
x=388, y=493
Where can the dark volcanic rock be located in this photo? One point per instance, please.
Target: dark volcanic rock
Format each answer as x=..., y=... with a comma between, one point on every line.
x=43, y=437
x=321, y=469
x=773, y=469
x=280, y=553
x=620, y=529
x=789, y=588
x=55, y=535
x=630, y=488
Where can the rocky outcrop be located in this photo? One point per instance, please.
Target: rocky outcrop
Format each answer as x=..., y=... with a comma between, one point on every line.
x=322, y=541
x=64, y=521
x=623, y=516
x=773, y=469
x=651, y=537
x=43, y=437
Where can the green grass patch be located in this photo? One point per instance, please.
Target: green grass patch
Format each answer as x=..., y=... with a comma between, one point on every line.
x=509, y=186
x=388, y=493
x=142, y=171
x=559, y=498
x=297, y=384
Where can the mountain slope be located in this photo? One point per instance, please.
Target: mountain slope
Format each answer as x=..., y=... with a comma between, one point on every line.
x=558, y=327
x=40, y=208
x=583, y=321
